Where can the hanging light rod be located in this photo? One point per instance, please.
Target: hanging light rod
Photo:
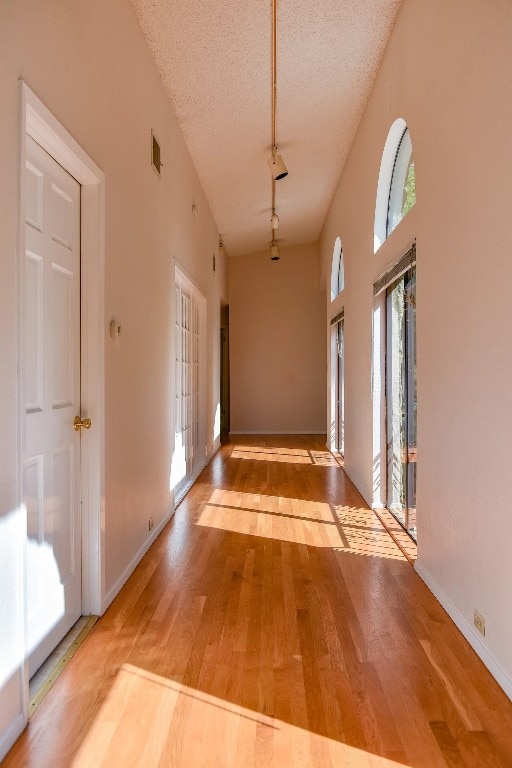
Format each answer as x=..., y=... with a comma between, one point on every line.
x=275, y=161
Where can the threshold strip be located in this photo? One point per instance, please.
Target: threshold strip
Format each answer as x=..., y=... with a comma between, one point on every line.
x=401, y=538
x=61, y=656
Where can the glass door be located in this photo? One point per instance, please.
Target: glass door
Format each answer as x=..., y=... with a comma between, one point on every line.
x=340, y=388
x=401, y=401
x=188, y=456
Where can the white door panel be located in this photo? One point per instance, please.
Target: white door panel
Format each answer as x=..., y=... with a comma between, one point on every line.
x=52, y=400
x=189, y=443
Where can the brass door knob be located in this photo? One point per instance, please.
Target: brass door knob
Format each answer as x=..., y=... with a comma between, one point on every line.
x=79, y=423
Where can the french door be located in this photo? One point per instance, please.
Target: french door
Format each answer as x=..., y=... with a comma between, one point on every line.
x=189, y=440
x=401, y=400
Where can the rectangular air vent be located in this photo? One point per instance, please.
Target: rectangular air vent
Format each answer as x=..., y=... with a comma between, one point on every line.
x=155, y=153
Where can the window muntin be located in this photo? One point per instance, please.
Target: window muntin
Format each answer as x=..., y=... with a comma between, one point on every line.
x=402, y=192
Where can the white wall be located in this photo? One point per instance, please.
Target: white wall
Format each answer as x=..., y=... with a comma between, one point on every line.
x=444, y=72
x=276, y=342
x=89, y=64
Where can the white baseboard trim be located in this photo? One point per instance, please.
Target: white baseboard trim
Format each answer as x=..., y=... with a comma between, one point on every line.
x=288, y=432
x=186, y=488
x=12, y=733
x=119, y=584
x=494, y=667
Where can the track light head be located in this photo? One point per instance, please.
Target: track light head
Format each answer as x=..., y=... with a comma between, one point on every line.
x=274, y=251
x=277, y=167
x=274, y=220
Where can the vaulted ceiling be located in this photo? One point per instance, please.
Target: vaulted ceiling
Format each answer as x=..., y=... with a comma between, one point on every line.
x=214, y=57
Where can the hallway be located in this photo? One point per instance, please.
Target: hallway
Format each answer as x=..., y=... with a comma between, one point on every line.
x=273, y=623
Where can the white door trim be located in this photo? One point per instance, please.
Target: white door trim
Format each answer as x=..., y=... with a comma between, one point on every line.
x=181, y=274
x=39, y=123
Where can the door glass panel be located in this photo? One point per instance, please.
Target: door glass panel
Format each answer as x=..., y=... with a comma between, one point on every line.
x=410, y=312
x=401, y=399
x=340, y=388
x=395, y=396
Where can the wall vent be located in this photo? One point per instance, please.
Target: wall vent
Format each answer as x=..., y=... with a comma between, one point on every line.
x=155, y=154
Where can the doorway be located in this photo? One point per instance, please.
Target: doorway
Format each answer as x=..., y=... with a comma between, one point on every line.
x=189, y=395
x=52, y=401
x=62, y=370
x=337, y=383
x=340, y=384
x=401, y=400
x=224, y=371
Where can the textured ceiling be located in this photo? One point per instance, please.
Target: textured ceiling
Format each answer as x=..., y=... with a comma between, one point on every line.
x=215, y=60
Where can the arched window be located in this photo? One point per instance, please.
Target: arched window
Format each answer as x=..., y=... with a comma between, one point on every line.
x=338, y=270
x=402, y=191
x=396, y=190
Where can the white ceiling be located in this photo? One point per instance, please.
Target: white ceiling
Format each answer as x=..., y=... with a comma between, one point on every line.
x=215, y=60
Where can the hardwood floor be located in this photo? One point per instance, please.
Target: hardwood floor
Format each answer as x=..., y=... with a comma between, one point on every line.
x=274, y=622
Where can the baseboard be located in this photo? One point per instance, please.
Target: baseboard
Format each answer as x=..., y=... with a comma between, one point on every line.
x=494, y=667
x=288, y=432
x=10, y=736
x=186, y=488
x=114, y=591
x=116, y=588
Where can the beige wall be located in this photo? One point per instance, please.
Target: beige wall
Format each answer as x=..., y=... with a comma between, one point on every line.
x=89, y=64
x=277, y=348
x=444, y=73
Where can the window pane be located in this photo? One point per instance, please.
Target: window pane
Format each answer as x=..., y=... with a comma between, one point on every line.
x=341, y=276
x=401, y=399
x=396, y=401
x=402, y=194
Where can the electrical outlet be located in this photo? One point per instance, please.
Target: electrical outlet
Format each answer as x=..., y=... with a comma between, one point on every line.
x=151, y=523
x=479, y=622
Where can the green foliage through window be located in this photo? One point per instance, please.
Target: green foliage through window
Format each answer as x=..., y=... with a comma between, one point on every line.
x=409, y=189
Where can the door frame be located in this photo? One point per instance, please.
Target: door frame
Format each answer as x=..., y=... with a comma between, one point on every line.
x=39, y=123
x=181, y=274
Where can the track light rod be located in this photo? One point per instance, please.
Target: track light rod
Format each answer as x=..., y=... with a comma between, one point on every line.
x=274, y=75
x=276, y=163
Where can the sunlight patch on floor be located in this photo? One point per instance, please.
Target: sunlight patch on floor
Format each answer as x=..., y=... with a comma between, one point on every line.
x=284, y=455
x=345, y=529
x=281, y=455
x=148, y=721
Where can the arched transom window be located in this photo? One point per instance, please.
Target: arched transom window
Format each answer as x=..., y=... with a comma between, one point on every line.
x=338, y=270
x=402, y=190
x=396, y=190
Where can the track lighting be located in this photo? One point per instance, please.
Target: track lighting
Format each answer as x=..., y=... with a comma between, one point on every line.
x=275, y=161
x=277, y=166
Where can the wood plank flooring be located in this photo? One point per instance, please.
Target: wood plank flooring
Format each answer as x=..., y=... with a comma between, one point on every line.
x=274, y=622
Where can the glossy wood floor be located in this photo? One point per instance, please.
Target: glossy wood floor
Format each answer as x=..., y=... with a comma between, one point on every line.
x=273, y=623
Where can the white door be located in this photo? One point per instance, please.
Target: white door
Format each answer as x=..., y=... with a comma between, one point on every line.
x=189, y=440
x=51, y=386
